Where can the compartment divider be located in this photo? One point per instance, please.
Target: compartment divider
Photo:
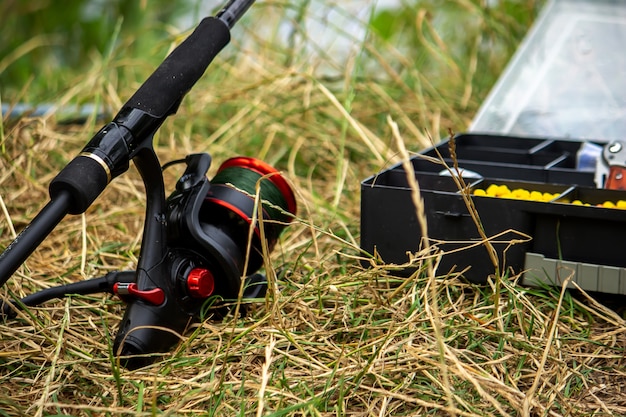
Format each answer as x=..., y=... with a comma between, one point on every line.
x=556, y=162
x=541, y=146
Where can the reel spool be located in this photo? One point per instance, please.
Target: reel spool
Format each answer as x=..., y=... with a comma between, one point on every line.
x=230, y=203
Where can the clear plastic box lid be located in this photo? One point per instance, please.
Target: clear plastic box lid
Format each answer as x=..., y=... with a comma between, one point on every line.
x=567, y=78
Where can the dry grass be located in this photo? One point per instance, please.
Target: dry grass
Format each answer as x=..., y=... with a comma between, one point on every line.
x=331, y=338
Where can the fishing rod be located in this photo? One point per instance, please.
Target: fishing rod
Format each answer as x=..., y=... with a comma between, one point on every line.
x=197, y=243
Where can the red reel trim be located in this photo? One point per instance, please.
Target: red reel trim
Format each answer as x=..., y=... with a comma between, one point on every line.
x=235, y=210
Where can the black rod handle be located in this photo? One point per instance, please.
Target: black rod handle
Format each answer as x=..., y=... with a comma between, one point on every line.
x=160, y=95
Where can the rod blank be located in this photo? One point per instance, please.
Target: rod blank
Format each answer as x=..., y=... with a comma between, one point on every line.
x=233, y=11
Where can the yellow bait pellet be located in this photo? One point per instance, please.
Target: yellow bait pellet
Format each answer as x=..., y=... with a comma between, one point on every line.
x=480, y=192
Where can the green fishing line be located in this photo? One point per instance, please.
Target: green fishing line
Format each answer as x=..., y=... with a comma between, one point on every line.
x=244, y=179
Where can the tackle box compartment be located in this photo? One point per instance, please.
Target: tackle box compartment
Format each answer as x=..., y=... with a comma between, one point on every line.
x=571, y=234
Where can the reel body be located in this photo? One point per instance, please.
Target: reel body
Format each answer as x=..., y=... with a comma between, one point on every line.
x=215, y=235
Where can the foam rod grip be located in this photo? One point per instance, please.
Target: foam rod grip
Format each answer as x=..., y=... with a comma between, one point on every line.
x=84, y=179
x=161, y=93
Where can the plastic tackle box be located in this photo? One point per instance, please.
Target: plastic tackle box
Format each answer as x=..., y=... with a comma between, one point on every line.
x=545, y=240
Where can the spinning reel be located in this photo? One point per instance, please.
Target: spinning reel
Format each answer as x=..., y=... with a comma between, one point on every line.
x=216, y=233
x=197, y=243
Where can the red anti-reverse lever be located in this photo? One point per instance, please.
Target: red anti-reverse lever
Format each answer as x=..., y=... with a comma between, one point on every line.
x=154, y=296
